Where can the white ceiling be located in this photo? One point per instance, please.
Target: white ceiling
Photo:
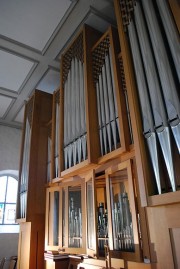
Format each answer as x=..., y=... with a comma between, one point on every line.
x=33, y=35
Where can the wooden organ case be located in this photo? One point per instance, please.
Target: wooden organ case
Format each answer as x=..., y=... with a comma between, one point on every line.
x=32, y=180
x=92, y=202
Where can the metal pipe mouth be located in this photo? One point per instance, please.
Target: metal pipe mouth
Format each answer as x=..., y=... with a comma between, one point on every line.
x=148, y=134
x=174, y=122
x=160, y=128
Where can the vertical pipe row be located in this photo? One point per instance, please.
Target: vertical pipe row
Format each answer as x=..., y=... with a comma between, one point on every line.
x=75, y=149
x=57, y=140
x=109, y=132
x=25, y=170
x=152, y=65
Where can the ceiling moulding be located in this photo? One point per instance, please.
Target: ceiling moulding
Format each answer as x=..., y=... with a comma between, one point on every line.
x=54, y=34
x=11, y=124
x=8, y=92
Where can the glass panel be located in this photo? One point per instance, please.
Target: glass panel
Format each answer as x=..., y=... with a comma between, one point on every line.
x=123, y=238
x=3, y=188
x=1, y=213
x=10, y=213
x=11, y=190
x=102, y=215
x=56, y=219
x=75, y=217
x=90, y=216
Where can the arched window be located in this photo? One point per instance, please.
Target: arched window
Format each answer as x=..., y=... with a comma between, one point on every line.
x=8, y=196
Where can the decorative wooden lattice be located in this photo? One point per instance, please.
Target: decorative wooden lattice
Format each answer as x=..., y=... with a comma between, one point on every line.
x=75, y=50
x=127, y=8
x=98, y=57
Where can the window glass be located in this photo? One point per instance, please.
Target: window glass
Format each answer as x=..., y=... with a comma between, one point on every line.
x=8, y=196
x=1, y=212
x=3, y=181
x=10, y=213
x=11, y=190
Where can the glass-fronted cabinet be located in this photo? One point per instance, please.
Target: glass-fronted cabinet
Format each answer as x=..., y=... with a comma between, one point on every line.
x=112, y=214
x=97, y=210
x=122, y=212
x=52, y=216
x=65, y=217
x=91, y=215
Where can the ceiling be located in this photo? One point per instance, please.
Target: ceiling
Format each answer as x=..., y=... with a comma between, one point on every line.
x=33, y=35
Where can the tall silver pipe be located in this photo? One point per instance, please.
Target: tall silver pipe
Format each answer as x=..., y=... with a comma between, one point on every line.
x=114, y=93
x=78, y=120
x=57, y=140
x=106, y=105
x=171, y=33
x=111, y=100
x=82, y=112
x=65, y=121
x=99, y=118
x=147, y=119
x=165, y=72
x=104, y=131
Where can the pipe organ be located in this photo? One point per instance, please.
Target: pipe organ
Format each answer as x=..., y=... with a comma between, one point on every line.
x=112, y=157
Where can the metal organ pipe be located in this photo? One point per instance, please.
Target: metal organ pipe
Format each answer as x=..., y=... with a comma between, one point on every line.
x=171, y=33
x=57, y=140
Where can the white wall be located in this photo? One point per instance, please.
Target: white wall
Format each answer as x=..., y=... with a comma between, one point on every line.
x=10, y=143
x=8, y=246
